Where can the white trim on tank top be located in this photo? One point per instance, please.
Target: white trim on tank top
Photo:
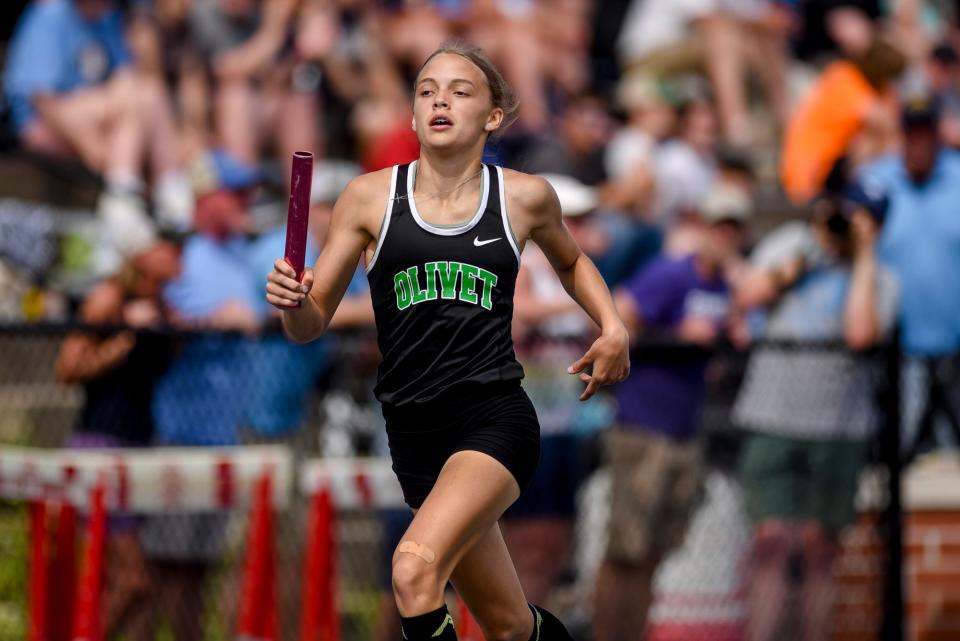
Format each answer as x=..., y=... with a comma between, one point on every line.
x=503, y=212
x=447, y=231
x=386, y=217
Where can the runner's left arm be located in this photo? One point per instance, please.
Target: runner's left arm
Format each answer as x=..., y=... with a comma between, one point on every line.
x=608, y=358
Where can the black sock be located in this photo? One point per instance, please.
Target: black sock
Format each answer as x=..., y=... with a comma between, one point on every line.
x=547, y=627
x=432, y=626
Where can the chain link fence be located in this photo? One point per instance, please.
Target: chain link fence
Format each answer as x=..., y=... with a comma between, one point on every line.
x=179, y=576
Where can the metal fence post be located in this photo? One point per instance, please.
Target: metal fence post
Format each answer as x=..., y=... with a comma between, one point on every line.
x=894, y=596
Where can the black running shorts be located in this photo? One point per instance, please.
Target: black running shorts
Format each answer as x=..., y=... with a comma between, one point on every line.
x=497, y=419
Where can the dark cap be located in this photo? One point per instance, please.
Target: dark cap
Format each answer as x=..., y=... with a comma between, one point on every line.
x=945, y=54
x=920, y=110
x=868, y=194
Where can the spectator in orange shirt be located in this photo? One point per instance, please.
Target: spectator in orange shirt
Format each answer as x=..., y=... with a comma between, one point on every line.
x=848, y=113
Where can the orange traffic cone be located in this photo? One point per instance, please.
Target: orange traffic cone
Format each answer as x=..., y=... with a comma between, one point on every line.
x=319, y=618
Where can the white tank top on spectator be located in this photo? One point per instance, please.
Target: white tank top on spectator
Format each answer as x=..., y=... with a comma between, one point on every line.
x=684, y=179
x=628, y=148
x=560, y=343
x=549, y=289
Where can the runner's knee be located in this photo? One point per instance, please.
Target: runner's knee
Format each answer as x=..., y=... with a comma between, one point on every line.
x=417, y=584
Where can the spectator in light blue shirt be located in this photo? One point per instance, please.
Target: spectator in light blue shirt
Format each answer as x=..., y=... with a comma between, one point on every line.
x=287, y=371
x=61, y=46
x=73, y=93
x=921, y=243
x=199, y=401
x=921, y=240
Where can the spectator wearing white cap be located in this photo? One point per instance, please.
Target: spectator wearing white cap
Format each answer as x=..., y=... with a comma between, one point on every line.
x=618, y=244
x=541, y=303
x=726, y=201
x=577, y=202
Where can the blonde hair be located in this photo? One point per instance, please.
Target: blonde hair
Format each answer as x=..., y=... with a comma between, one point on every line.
x=501, y=93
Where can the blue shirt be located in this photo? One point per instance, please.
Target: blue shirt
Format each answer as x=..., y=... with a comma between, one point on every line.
x=266, y=249
x=212, y=274
x=277, y=402
x=921, y=243
x=287, y=372
x=54, y=50
x=666, y=396
x=270, y=246
x=198, y=401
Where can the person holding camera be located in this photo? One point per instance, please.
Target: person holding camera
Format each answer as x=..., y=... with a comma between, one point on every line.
x=808, y=407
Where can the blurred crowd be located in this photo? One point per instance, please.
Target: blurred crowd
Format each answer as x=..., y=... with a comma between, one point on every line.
x=659, y=108
x=674, y=132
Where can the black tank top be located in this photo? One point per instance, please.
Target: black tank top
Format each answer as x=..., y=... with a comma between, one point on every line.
x=443, y=296
x=119, y=402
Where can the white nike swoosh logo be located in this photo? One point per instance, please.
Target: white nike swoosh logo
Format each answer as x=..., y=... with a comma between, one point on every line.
x=480, y=243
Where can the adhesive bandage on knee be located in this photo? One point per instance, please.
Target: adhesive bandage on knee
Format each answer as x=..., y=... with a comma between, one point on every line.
x=416, y=549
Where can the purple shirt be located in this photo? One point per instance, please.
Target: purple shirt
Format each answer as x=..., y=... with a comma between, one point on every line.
x=665, y=396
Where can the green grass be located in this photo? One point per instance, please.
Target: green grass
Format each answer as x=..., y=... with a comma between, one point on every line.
x=358, y=603
x=13, y=571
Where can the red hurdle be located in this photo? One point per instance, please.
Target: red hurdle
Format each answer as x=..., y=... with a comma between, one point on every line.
x=258, y=606
x=87, y=625
x=467, y=627
x=319, y=615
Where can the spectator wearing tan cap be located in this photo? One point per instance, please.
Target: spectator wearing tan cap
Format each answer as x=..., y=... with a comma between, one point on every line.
x=653, y=450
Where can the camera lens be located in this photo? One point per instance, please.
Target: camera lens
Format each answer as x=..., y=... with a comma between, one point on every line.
x=838, y=224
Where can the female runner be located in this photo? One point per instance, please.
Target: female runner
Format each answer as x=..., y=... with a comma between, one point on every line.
x=442, y=239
